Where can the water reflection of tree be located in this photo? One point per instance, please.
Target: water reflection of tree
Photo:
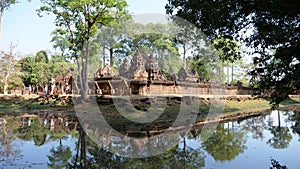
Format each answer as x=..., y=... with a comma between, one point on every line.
x=224, y=143
x=8, y=150
x=35, y=131
x=295, y=118
x=59, y=157
x=177, y=157
x=255, y=125
x=89, y=155
x=281, y=135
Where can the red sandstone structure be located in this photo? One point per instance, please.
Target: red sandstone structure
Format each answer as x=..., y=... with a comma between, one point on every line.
x=143, y=77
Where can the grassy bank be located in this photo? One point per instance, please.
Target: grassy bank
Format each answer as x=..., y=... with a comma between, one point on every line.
x=15, y=104
x=166, y=109
x=233, y=110
x=35, y=102
x=256, y=105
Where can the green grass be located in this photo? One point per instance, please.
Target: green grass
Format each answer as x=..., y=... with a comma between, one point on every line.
x=165, y=120
x=255, y=105
x=171, y=112
x=13, y=103
x=291, y=101
x=246, y=106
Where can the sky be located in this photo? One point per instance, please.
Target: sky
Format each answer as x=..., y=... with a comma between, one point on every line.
x=30, y=33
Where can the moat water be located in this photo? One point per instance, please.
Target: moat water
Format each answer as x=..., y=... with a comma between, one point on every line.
x=56, y=142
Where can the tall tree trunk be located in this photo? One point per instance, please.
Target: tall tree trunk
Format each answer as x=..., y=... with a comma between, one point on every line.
x=83, y=149
x=5, y=81
x=9, y=67
x=228, y=76
x=85, y=70
x=5, y=87
x=1, y=17
x=232, y=73
x=60, y=142
x=79, y=75
x=78, y=146
x=219, y=73
x=184, y=56
x=104, y=56
x=279, y=122
x=62, y=55
x=111, y=57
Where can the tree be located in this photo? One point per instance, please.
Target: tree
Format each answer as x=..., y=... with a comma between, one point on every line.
x=8, y=68
x=153, y=40
x=110, y=36
x=228, y=50
x=80, y=20
x=38, y=69
x=273, y=26
x=203, y=50
x=281, y=135
x=224, y=143
x=185, y=39
x=8, y=150
x=255, y=126
x=36, y=132
x=158, y=45
x=207, y=63
x=295, y=116
x=188, y=38
x=59, y=157
x=27, y=64
x=60, y=41
x=4, y=5
x=276, y=165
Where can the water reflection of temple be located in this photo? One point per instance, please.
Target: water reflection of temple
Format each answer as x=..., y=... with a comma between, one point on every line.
x=226, y=141
x=40, y=124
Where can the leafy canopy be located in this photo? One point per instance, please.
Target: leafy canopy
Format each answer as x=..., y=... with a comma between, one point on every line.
x=269, y=28
x=81, y=19
x=5, y=4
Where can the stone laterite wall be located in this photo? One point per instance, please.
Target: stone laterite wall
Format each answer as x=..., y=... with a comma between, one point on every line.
x=169, y=88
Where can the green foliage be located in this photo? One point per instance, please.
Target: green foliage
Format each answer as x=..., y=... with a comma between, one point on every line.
x=109, y=37
x=151, y=39
x=296, y=126
x=207, y=64
x=41, y=56
x=269, y=28
x=59, y=157
x=35, y=132
x=224, y=144
x=228, y=49
x=42, y=73
x=39, y=70
x=61, y=68
x=281, y=137
x=1, y=88
x=9, y=71
x=80, y=20
x=5, y=4
x=14, y=82
x=204, y=54
x=60, y=41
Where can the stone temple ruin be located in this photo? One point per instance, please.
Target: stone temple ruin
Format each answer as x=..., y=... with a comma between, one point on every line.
x=143, y=77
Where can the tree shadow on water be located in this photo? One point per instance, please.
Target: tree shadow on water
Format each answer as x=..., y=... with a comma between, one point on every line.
x=276, y=165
